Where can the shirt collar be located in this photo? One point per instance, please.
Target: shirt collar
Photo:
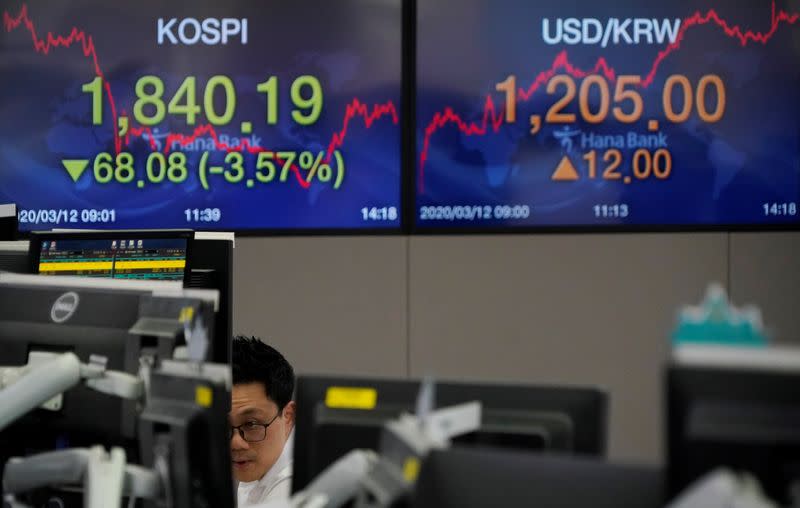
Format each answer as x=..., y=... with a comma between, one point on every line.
x=275, y=473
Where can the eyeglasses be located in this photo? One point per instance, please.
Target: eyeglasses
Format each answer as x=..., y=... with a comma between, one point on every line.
x=252, y=432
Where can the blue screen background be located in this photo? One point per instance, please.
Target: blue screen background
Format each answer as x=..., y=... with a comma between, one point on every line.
x=723, y=173
x=352, y=46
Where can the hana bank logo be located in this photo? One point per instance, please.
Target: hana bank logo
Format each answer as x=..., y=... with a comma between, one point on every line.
x=64, y=307
x=565, y=138
x=223, y=142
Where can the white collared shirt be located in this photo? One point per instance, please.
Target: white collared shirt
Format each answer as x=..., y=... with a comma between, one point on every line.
x=275, y=484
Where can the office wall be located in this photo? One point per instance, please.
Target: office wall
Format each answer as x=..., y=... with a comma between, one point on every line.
x=330, y=305
x=765, y=269
x=579, y=309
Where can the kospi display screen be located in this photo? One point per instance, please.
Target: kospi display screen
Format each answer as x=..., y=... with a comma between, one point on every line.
x=242, y=115
x=623, y=113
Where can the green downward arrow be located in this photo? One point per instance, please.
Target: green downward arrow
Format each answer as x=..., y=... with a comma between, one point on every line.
x=75, y=167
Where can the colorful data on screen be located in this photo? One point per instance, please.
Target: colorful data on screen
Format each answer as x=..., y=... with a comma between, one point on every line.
x=625, y=113
x=248, y=115
x=119, y=258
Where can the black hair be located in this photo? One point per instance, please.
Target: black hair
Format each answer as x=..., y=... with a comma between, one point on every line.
x=254, y=361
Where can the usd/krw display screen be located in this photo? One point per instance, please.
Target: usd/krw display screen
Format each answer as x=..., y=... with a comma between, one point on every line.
x=623, y=113
x=246, y=115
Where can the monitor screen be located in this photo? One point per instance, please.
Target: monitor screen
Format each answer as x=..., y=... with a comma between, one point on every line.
x=8, y=222
x=338, y=414
x=608, y=114
x=247, y=116
x=122, y=321
x=14, y=257
x=211, y=267
x=187, y=406
x=116, y=255
x=8, y=228
x=738, y=409
x=464, y=478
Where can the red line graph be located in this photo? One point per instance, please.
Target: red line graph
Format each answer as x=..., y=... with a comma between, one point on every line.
x=494, y=116
x=44, y=45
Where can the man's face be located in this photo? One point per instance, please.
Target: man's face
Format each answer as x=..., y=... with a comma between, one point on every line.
x=251, y=406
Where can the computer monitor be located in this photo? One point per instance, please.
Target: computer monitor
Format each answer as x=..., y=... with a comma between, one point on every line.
x=200, y=260
x=122, y=254
x=8, y=222
x=185, y=425
x=737, y=408
x=339, y=414
x=121, y=320
x=210, y=266
x=14, y=256
x=472, y=478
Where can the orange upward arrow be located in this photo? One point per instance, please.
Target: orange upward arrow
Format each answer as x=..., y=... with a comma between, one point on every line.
x=565, y=171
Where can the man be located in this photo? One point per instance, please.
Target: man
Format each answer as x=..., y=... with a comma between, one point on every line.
x=262, y=422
